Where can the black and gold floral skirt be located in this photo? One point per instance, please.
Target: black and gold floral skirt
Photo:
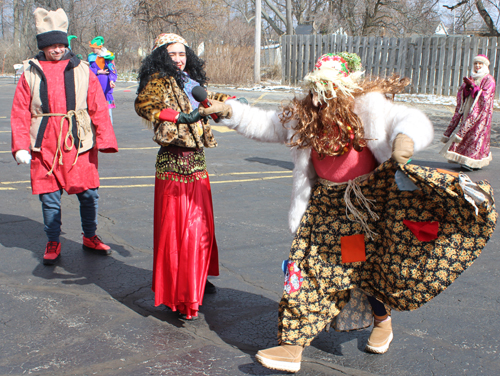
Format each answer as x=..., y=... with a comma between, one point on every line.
x=419, y=229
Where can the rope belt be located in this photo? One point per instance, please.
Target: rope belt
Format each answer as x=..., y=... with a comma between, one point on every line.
x=352, y=213
x=81, y=131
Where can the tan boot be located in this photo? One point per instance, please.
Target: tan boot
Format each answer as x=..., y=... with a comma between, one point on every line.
x=381, y=337
x=282, y=358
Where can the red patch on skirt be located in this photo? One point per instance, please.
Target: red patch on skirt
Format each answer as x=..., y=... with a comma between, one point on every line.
x=353, y=248
x=424, y=231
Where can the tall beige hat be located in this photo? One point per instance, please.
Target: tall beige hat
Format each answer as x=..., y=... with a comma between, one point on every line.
x=51, y=27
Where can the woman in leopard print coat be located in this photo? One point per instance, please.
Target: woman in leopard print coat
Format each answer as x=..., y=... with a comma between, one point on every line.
x=185, y=249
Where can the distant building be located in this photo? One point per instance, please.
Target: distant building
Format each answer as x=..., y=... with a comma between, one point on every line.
x=441, y=29
x=340, y=31
x=306, y=29
x=270, y=55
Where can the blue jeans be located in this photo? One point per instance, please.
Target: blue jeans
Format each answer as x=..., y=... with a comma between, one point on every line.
x=51, y=208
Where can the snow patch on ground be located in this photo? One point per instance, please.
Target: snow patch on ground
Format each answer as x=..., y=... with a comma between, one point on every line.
x=426, y=99
x=408, y=98
x=264, y=89
x=432, y=99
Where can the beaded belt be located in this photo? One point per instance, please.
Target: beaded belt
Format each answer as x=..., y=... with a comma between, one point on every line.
x=181, y=164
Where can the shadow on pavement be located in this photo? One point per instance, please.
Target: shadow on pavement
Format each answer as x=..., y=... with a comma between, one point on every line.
x=130, y=285
x=271, y=162
x=244, y=320
x=250, y=323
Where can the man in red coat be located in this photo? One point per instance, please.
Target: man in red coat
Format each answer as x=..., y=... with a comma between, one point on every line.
x=59, y=121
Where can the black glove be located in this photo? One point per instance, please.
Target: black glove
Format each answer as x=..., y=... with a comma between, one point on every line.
x=192, y=117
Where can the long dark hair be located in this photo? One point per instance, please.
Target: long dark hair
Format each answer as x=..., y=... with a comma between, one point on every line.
x=159, y=61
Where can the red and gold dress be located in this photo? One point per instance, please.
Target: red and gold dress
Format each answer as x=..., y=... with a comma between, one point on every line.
x=185, y=249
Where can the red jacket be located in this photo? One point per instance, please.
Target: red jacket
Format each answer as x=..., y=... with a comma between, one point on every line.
x=83, y=174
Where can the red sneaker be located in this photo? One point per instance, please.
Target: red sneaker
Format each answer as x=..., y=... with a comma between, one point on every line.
x=95, y=244
x=52, y=253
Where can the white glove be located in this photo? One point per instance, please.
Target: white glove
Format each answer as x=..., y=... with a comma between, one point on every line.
x=23, y=157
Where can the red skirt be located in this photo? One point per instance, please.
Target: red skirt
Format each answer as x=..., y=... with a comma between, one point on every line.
x=185, y=250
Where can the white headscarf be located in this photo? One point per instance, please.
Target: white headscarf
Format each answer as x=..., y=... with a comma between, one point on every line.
x=478, y=76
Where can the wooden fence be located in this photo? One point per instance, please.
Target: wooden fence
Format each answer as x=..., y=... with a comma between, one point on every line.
x=435, y=65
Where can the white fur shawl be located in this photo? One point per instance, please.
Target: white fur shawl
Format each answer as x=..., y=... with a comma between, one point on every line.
x=382, y=120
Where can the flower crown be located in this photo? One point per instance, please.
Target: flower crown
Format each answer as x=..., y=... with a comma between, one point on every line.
x=334, y=72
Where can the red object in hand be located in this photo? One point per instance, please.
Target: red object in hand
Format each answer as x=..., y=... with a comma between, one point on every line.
x=469, y=82
x=470, y=88
x=167, y=114
x=200, y=95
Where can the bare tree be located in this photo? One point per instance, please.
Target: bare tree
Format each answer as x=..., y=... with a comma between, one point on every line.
x=357, y=17
x=482, y=11
x=188, y=16
x=17, y=22
x=381, y=17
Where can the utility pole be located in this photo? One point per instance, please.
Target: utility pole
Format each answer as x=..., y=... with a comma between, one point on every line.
x=289, y=20
x=258, y=22
x=453, y=21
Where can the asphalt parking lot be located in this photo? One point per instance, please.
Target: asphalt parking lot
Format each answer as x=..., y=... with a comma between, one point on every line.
x=92, y=315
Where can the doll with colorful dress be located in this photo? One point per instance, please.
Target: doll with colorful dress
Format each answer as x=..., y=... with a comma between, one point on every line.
x=102, y=64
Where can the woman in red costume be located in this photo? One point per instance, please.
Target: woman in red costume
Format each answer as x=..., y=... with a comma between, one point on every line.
x=467, y=138
x=185, y=250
